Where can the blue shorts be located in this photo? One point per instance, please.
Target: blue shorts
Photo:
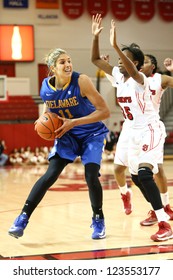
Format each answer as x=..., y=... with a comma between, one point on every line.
x=90, y=148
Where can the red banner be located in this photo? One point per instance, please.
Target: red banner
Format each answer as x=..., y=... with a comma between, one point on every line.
x=47, y=4
x=72, y=8
x=121, y=9
x=97, y=7
x=145, y=9
x=165, y=8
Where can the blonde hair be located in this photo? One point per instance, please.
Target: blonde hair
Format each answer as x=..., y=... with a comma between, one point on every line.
x=52, y=57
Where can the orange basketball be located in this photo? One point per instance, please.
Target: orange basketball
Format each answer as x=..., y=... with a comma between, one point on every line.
x=47, y=124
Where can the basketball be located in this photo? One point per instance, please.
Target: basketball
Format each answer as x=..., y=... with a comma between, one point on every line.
x=47, y=124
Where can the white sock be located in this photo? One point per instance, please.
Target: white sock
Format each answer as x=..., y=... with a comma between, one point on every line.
x=165, y=198
x=161, y=215
x=123, y=189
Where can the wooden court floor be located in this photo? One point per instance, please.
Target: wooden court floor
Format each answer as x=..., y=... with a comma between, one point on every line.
x=60, y=226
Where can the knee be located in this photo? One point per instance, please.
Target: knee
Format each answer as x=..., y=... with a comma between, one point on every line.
x=135, y=179
x=145, y=174
x=91, y=173
x=161, y=172
x=91, y=178
x=50, y=176
x=118, y=169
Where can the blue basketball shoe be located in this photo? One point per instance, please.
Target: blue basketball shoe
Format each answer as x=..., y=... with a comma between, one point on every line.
x=19, y=225
x=99, y=228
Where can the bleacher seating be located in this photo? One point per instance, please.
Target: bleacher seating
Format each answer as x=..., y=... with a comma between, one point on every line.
x=18, y=108
x=169, y=138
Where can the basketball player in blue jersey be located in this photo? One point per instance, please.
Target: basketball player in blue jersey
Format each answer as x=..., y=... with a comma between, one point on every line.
x=73, y=97
x=145, y=137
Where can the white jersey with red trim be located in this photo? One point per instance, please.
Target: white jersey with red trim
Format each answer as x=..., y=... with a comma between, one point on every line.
x=155, y=85
x=134, y=100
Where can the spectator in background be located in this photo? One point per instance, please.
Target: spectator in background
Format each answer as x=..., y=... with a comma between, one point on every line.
x=3, y=157
x=15, y=157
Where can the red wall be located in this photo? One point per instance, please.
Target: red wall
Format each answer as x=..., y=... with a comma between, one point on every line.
x=21, y=135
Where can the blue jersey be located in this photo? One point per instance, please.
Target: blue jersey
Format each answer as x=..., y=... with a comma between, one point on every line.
x=69, y=103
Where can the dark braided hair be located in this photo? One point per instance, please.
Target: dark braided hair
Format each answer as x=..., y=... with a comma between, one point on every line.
x=153, y=61
x=136, y=53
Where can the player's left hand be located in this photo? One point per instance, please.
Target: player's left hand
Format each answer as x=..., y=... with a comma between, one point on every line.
x=67, y=125
x=168, y=63
x=96, y=24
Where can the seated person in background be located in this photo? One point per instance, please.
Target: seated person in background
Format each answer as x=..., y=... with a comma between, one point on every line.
x=3, y=157
x=38, y=157
x=15, y=157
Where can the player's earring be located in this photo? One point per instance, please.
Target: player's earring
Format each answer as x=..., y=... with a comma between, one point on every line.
x=52, y=69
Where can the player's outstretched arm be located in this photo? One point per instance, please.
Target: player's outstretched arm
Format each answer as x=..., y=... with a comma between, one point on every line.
x=167, y=81
x=128, y=64
x=95, y=51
